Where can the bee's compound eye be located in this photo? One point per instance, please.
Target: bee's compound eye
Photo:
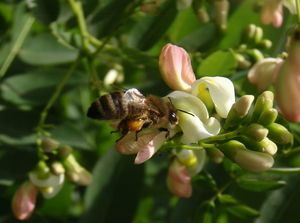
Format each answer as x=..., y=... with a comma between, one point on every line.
x=173, y=118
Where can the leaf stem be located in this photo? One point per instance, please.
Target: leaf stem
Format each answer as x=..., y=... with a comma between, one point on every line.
x=85, y=36
x=284, y=170
x=59, y=88
x=17, y=45
x=222, y=137
x=298, y=9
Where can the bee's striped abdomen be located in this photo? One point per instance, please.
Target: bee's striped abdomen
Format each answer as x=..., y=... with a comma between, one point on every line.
x=108, y=107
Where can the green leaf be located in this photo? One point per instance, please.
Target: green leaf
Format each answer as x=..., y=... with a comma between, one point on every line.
x=45, y=11
x=282, y=205
x=237, y=209
x=69, y=135
x=206, y=213
x=21, y=15
x=185, y=23
x=16, y=163
x=259, y=184
x=105, y=20
x=149, y=30
x=199, y=38
x=35, y=87
x=220, y=63
x=17, y=127
x=114, y=192
x=44, y=49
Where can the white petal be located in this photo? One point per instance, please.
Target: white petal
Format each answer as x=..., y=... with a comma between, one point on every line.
x=53, y=192
x=201, y=158
x=194, y=129
x=51, y=181
x=213, y=126
x=188, y=103
x=221, y=90
x=195, y=124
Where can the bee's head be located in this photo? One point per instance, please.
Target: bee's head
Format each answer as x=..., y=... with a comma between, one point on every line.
x=173, y=119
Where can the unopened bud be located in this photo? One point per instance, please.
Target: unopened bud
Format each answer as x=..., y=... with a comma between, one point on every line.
x=48, y=144
x=247, y=159
x=24, y=200
x=150, y=7
x=263, y=102
x=279, y=134
x=76, y=172
x=256, y=132
x=176, y=68
x=57, y=168
x=179, y=180
x=183, y=4
x=64, y=151
x=200, y=10
x=259, y=33
x=249, y=33
x=268, y=116
x=266, y=43
x=265, y=145
x=238, y=111
x=215, y=155
x=256, y=54
x=222, y=8
x=242, y=61
x=268, y=146
x=202, y=15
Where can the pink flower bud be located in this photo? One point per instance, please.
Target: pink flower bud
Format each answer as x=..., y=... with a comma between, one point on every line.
x=264, y=72
x=175, y=66
x=287, y=86
x=179, y=180
x=271, y=13
x=24, y=201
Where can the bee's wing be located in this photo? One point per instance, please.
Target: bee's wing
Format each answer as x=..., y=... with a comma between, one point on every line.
x=133, y=96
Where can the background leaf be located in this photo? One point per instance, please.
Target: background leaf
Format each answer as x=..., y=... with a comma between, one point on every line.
x=115, y=187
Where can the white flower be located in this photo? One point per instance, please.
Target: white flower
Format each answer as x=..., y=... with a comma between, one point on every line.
x=193, y=116
x=49, y=186
x=221, y=91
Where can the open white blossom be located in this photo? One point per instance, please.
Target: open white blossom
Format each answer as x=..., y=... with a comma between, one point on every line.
x=221, y=91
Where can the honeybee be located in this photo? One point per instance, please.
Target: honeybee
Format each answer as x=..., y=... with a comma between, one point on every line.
x=134, y=111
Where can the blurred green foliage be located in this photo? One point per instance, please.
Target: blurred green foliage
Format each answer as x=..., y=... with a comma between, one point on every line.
x=42, y=41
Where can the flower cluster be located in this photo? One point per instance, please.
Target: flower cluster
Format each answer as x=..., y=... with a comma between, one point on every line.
x=211, y=123
x=284, y=75
x=48, y=177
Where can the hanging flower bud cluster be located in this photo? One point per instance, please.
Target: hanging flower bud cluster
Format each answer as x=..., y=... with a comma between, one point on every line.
x=48, y=177
x=211, y=123
x=253, y=43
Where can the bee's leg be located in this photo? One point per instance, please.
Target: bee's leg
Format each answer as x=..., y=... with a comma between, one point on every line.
x=123, y=134
x=136, y=134
x=165, y=130
x=145, y=125
x=122, y=127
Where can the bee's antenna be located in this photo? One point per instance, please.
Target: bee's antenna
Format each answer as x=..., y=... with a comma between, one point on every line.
x=180, y=109
x=185, y=112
